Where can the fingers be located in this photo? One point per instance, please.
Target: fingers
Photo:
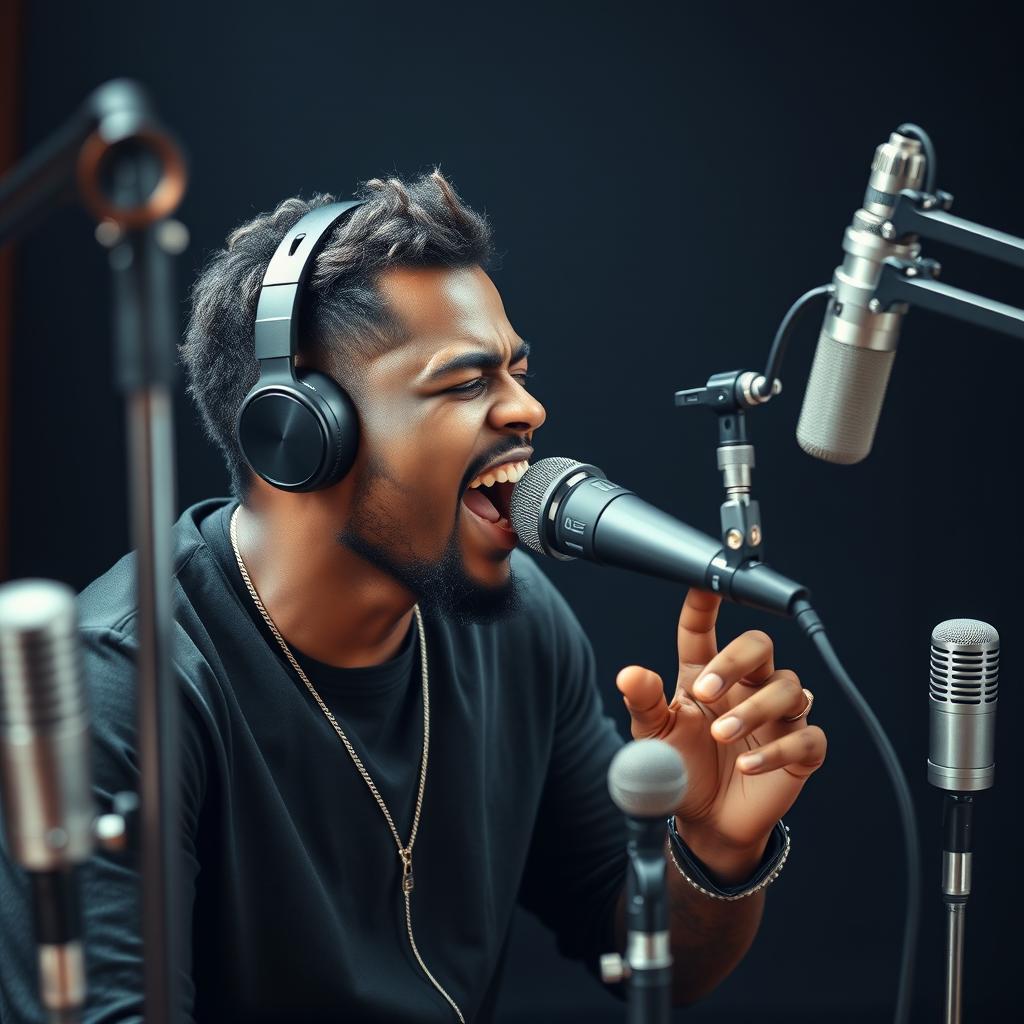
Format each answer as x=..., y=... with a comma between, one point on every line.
x=696, y=632
x=643, y=693
x=781, y=697
x=750, y=657
x=800, y=753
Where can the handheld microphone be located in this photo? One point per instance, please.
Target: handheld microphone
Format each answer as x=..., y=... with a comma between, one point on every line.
x=45, y=773
x=857, y=345
x=962, y=698
x=568, y=509
x=646, y=780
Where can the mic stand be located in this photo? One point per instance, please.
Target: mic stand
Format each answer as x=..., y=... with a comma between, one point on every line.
x=925, y=214
x=131, y=176
x=647, y=965
x=727, y=395
x=956, y=887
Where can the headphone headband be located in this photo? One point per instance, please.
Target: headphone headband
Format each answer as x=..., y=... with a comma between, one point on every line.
x=277, y=312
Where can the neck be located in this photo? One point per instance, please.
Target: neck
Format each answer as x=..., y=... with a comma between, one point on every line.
x=325, y=600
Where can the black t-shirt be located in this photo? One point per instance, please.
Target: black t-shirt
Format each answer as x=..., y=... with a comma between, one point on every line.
x=292, y=901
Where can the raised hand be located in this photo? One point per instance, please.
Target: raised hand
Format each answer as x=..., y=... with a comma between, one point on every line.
x=739, y=723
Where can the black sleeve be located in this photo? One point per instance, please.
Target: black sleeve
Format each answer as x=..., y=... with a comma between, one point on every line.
x=110, y=883
x=577, y=861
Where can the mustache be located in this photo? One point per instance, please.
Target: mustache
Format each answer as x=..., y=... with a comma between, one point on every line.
x=486, y=460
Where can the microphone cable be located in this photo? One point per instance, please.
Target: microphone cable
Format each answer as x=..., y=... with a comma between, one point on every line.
x=778, y=349
x=808, y=620
x=915, y=131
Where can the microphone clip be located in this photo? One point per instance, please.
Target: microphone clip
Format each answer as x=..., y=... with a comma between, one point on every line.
x=728, y=395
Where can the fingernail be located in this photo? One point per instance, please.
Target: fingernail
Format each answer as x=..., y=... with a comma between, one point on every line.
x=710, y=686
x=726, y=727
x=749, y=761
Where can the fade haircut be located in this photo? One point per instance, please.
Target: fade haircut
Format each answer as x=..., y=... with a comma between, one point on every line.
x=344, y=320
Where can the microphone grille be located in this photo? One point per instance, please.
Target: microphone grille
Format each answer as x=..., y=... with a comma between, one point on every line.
x=528, y=498
x=843, y=400
x=966, y=633
x=647, y=779
x=964, y=663
x=39, y=654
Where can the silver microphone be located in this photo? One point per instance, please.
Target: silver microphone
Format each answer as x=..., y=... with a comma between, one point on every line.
x=857, y=344
x=45, y=772
x=962, y=697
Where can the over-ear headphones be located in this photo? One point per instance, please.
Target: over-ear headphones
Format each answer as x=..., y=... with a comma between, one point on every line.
x=297, y=429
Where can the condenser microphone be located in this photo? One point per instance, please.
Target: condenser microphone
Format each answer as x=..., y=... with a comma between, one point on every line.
x=647, y=780
x=45, y=774
x=569, y=509
x=857, y=344
x=962, y=697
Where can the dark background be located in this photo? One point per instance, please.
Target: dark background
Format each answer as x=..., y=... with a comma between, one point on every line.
x=663, y=182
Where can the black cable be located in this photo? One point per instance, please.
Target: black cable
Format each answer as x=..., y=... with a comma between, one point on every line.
x=812, y=626
x=915, y=131
x=778, y=349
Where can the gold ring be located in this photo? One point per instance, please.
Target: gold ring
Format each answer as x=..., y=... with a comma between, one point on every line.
x=807, y=709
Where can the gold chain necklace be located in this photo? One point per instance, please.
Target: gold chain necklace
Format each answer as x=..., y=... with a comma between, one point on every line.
x=404, y=852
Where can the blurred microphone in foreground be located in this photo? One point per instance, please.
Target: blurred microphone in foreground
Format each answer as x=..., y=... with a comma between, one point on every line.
x=45, y=775
x=646, y=780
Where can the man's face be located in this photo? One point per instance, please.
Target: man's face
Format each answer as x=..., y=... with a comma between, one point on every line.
x=436, y=412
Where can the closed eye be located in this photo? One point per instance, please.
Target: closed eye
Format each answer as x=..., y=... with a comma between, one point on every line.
x=479, y=384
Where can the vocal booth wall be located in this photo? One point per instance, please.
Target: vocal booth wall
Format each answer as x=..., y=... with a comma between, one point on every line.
x=663, y=181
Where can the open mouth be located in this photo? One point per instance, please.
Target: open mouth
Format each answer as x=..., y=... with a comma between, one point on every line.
x=488, y=497
x=490, y=503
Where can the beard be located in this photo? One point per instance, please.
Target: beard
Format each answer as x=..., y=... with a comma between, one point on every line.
x=443, y=586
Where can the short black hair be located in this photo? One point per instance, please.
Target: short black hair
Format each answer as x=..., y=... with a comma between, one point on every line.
x=422, y=223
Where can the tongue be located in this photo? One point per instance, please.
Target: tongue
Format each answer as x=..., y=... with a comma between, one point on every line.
x=476, y=501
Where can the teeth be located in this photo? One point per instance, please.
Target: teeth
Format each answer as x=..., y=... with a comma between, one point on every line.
x=511, y=472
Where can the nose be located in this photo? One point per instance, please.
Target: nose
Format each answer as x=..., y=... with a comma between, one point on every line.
x=518, y=410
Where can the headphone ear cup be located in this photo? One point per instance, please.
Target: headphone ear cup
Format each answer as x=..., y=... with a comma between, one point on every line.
x=339, y=411
x=299, y=437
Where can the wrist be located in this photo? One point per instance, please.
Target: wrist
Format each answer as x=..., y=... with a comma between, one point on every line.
x=728, y=863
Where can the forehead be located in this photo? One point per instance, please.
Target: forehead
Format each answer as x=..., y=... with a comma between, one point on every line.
x=442, y=307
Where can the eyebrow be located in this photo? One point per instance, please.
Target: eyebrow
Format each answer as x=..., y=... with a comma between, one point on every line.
x=477, y=361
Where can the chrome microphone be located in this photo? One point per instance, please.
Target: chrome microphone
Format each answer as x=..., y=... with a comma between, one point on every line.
x=857, y=344
x=962, y=697
x=45, y=773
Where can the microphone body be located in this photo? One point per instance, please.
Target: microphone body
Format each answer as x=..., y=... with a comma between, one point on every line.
x=646, y=780
x=45, y=773
x=569, y=509
x=962, y=697
x=857, y=344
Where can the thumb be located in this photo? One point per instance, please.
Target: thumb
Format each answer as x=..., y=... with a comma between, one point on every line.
x=643, y=693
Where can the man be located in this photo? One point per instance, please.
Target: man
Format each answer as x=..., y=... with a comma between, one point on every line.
x=392, y=731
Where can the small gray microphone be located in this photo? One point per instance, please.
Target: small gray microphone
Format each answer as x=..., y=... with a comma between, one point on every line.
x=857, y=343
x=647, y=779
x=45, y=773
x=962, y=697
